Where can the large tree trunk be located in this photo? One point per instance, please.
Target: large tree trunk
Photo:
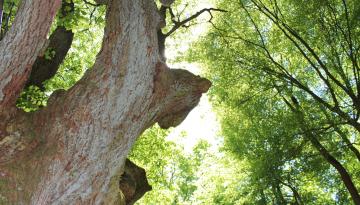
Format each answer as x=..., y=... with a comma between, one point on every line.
x=73, y=151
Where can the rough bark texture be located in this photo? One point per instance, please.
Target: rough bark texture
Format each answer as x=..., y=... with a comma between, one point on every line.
x=73, y=151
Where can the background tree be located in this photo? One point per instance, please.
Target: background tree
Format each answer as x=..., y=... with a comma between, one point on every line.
x=285, y=77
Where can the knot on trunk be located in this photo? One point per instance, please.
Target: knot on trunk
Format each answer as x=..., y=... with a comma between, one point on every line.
x=178, y=91
x=16, y=136
x=133, y=183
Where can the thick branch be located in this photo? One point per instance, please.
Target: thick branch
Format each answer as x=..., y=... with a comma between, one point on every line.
x=22, y=44
x=45, y=67
x=15, y=140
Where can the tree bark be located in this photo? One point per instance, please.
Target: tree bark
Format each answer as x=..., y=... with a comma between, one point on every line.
x=73, y=151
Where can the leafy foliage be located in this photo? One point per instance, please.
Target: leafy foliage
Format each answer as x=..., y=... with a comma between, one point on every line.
x=32, y=99
x=171, y=172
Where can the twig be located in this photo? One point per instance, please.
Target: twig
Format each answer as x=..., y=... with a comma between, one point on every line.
x=178, y=23
x=91, y=4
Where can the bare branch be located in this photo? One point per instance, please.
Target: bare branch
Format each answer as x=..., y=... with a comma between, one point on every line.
x=178, y=24
x=92, y=4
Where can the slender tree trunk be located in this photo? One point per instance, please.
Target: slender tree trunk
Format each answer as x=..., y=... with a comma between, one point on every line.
x=345, y=176
x=296, y=194
x=73, y=151
x=278, y=193
x=342, y=135
x=348, y=143
x=263, y=199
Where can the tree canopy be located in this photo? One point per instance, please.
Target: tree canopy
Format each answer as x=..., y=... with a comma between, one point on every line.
x=285, y=85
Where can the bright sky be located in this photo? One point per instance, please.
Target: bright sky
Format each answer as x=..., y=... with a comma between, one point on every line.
x=201, y=123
